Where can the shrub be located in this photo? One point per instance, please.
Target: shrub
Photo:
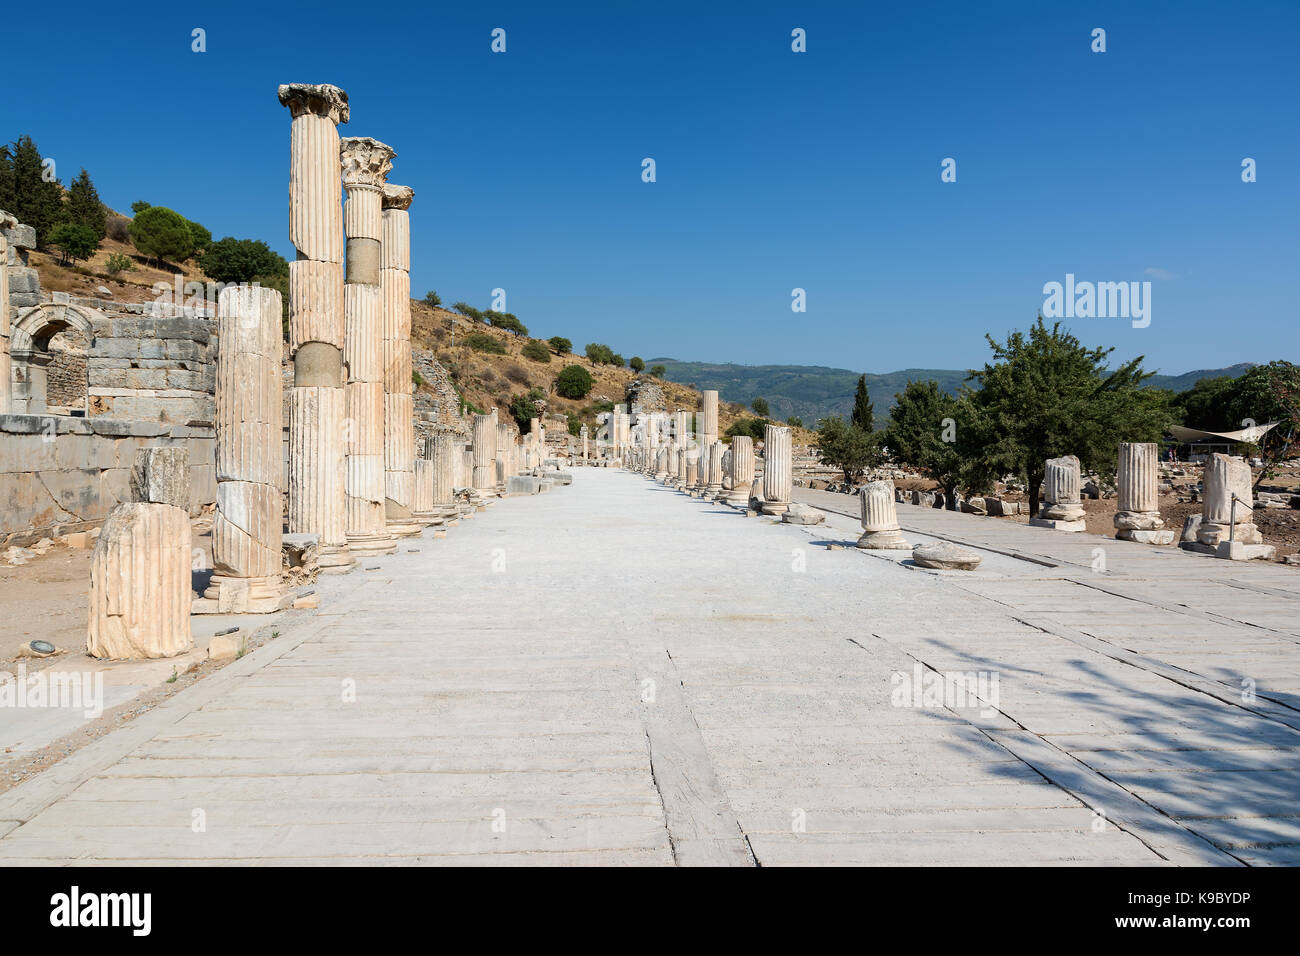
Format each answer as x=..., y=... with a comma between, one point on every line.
x=523, y=408
x=658, y=371
x=139, y=206
x=162, y=234
x=561, y=345
x=118, y=263
x=600, y=354
x=755, y=428
x=517, y=374
x=242, y=260
x=74, y=241
x=119, y=229
x=482, y=342
x=638, y=365
x=617, y=360
x=431, y=298
x=574, y=382
x=537, y=351
x=759, y=405
x=794, y=421
x=574, y=423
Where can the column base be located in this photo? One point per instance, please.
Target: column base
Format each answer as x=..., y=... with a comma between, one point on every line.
x=334, y=559
x=371, y=545
x=775, y=507
x=737, y=500
x=1057, y=524
x=1145, y=537
x=407, y=527
x=884, y=541
x=229, y=595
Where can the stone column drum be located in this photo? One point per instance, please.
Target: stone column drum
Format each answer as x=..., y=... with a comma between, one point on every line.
x=246, y=526
x=1138, y=517
x=485, y=453
x=505, y=459
x=880, y=530
x=585, y=439
x=1062, y=500
x=1224, y=477
x=6, y=369
x=742, y=471
x=399, y=407
x=140, y=588
x=365, y=164
x=442, y=454
x=778, y=469
x=316, y=326
x=714, y=486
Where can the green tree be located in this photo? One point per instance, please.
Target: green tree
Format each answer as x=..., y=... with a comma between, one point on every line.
x=1205, y=404
x=600, y=354
x=637, y=364
x=617, y=360
x=1046, y=395
x=759, y=405
x=33, y=200
x=524, y=408
x=84, y=208
x=658, y=371
x=163, y=234
x=1269, y=393
x=794, y=421
x=863, y=412
x=847, y=447
x=75, y=241
x=118, y=263
x=242, y=260
x=202, y=238
x=432, y=299
x=139, y=206
x=574, y=422
x=467, y=310
x=561, y=345
x=922, y=433
x=537, y=351
x=574, y=382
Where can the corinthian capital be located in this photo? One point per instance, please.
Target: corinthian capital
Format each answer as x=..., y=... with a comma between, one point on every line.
x=319, y=98
x=397, y=197
x=365, y=161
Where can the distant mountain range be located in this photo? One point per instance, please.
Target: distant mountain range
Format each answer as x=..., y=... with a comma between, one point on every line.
x=810, y=392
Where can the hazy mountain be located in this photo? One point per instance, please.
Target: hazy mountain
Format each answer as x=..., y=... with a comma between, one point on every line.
x=811, y=392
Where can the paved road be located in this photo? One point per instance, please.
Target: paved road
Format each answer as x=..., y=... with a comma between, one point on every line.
x=614, y=673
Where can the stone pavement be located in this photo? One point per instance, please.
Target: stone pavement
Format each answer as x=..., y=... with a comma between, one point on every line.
x=615, y=673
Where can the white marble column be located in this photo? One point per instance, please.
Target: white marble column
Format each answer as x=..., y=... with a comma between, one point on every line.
x=399, y=404
x=505, y=454
x=1138, y=516
x=742, y=471
x=778, y=469
x=1226, y=477
x=485, y=453
x=6, y=367
x=365, y=164
x=880, y=530
x=1062, y=502
x=246, y=548
x=713, y=487
x=585, y=440
x=316, y=325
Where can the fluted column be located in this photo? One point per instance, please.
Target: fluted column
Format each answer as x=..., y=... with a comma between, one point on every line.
x=246, y=525
x=505, y=456
x=778, y=469
x=365, y=163
x=1062, y=502
x=443, y=453
x=742, y=470
x=585, y=438
x=485, y=453
x=140, y=589
x=1226, y=477
x=714, y=485
x=1138, y=516
x=399, y=405
x=880, y=530
x=692, y=468
x=316, y=325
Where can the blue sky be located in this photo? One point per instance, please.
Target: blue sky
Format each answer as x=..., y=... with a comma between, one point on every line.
x=775, y=170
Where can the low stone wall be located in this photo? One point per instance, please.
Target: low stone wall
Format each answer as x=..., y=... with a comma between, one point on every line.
x=61, y=474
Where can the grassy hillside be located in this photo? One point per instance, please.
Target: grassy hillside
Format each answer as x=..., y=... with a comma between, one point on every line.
x=812, y=391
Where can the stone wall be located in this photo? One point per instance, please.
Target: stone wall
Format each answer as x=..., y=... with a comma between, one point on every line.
x=24, y=282
x=66, y=378
x=61, y=474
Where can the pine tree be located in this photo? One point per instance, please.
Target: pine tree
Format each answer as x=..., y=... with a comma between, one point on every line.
x=862, y=410
x=35, y=202
x=84, y=208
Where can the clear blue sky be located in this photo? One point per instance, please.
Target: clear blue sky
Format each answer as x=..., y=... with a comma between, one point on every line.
x=775, y=169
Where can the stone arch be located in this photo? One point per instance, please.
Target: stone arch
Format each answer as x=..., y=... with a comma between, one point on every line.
x=29, y=347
